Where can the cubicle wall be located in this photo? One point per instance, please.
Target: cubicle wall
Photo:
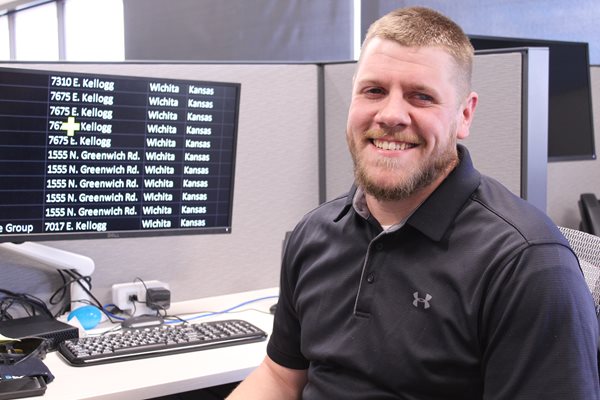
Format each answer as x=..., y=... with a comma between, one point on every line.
x=277, y=173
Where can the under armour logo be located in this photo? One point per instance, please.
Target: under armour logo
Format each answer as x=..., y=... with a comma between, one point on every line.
x=419, y=300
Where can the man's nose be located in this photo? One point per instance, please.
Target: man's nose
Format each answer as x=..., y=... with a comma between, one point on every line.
x=394, y=111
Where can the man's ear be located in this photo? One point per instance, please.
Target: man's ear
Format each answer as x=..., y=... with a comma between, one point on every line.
x=466, y=115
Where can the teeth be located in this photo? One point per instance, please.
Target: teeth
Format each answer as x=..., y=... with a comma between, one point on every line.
x=386, y=145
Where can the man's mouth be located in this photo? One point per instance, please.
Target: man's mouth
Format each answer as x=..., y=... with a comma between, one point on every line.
x=392, y=145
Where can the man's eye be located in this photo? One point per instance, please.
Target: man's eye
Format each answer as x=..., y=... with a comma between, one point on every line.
x=423, y=97
x=374, y=90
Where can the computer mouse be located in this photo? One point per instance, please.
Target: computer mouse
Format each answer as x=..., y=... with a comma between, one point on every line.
x=88, y=316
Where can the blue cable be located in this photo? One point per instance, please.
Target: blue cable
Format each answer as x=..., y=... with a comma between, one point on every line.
x=208, y=314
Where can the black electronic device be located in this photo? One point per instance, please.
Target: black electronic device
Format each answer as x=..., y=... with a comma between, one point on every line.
x=39, y=326
x=589, y=208
x=158, y=298
x=570, y=120
x=86, y=155
x=142, y=321
x=25, y=386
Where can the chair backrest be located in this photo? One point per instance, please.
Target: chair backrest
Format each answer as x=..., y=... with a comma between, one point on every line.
x=587, y=249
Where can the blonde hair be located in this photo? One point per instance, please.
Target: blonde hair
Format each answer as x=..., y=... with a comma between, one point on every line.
x=424, y=27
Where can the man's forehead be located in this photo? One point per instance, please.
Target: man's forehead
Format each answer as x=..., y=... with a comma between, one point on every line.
x=394, y=58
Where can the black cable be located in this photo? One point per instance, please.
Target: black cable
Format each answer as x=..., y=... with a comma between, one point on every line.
x=77, y=278
x=61, y=295
x=160, y=308
x=32, y=305
x=142, y=282
x=133, y=301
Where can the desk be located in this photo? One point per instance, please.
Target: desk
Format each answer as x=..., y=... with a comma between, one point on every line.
x=159, y=376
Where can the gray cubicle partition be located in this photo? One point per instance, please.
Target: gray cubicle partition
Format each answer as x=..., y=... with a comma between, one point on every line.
x=508, y=139
x=277, y=172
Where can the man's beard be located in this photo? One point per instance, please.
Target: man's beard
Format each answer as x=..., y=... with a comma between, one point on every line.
x=414, y=179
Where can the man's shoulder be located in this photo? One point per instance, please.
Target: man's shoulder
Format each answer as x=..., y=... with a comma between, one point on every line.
x=509, y=211
x=329, y=210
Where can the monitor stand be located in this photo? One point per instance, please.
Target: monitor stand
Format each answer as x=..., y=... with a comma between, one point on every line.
x=55, y=260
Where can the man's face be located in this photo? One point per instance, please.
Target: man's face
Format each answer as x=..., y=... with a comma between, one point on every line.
x=405, y=118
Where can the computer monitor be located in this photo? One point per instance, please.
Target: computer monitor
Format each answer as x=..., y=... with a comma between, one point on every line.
x=570, y=120
x=87, y=155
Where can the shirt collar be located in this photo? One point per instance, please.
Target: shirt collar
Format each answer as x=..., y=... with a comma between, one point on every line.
x=439, y=210
x=435, y=215
x=359, y=203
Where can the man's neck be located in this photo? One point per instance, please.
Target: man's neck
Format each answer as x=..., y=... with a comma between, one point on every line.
x=392, y=212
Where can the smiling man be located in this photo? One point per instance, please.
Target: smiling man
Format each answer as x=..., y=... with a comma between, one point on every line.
x=409, y=106
x=427, y=280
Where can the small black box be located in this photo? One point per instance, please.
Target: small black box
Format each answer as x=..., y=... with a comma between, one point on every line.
x=40, y=326
x=158, y=298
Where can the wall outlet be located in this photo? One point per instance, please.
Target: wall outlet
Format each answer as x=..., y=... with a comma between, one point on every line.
x=122, y=294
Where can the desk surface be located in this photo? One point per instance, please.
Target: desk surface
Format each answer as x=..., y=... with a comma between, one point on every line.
x=159, y=376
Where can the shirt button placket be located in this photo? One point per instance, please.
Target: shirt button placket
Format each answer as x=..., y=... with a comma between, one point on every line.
x=371, y=275
x=366, y=291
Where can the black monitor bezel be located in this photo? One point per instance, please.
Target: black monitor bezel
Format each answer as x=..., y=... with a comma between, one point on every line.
x=587, y=151
x=25, y=67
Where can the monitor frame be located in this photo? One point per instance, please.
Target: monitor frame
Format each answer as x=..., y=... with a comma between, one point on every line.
x=138, y=232
x=558, y=120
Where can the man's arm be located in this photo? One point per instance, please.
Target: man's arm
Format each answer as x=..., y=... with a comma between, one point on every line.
x=271, y=381
x=541, y=330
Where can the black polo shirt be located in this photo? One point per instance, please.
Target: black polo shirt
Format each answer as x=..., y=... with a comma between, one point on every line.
x=476, y=296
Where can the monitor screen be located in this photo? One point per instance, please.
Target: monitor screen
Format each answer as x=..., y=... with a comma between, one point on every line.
x=570, y=121
x=104, y=156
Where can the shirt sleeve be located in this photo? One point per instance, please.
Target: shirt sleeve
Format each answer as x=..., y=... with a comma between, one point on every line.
x=284, y=343
x=540, y=331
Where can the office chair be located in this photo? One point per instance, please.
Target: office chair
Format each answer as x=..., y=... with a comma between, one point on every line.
x=587, y=249
x=589, y=208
